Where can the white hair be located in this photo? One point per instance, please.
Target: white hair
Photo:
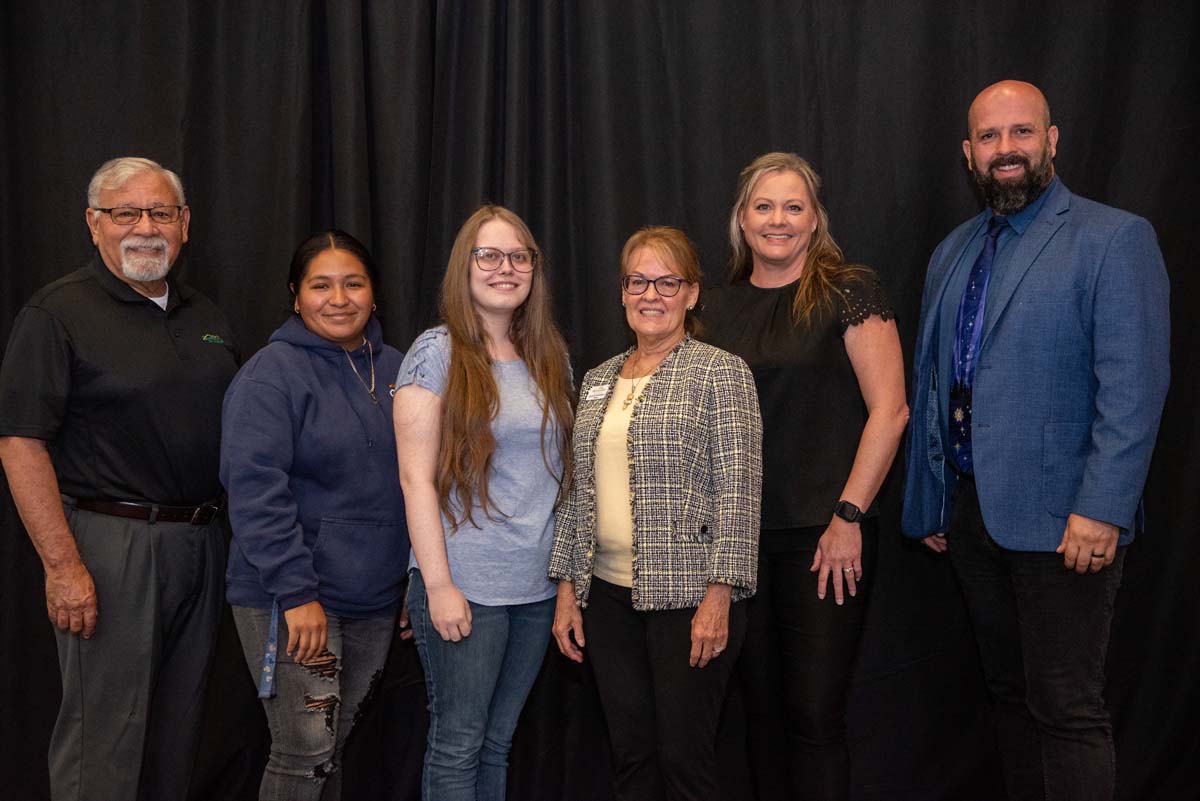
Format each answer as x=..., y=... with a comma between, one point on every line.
x=113, y=174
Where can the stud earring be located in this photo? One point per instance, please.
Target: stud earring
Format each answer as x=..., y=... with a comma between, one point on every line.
x=689, y=308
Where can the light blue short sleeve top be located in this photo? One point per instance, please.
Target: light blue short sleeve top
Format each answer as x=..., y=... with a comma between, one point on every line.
x=501, y=561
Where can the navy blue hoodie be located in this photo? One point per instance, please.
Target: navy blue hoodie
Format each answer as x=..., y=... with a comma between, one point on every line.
x=309, y=462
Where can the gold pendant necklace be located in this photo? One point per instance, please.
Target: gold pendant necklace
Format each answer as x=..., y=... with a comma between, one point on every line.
x=633, y=390
x=371, y=357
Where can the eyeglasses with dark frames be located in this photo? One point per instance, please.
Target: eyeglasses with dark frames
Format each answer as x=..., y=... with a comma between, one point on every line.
x=522, y=260
x=666, y=285
x=132, y=215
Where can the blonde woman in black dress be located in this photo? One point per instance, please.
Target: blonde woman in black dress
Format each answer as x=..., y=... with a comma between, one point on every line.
x=819, y=337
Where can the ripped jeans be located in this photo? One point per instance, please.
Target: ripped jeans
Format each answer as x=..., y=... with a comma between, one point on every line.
x=317, y=704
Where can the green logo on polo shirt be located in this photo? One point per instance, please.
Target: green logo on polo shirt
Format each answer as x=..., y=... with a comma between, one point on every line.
x=212, y=339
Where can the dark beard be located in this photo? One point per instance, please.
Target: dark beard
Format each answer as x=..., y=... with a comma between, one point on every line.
x=1009, y=197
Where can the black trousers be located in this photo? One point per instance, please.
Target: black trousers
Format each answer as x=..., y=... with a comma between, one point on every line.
x=662, y=713
x=796, y=667
x=1042, y=632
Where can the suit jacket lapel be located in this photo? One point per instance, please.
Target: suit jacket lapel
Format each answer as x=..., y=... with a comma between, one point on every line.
x=942, y=278
x=1028, y=248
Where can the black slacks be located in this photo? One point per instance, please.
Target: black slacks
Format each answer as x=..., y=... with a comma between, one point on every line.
x=796, y=668
x=662, y=713
x=1042, y=632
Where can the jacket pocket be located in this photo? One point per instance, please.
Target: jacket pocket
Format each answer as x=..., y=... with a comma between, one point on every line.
x=696, y=519
x=692, y=532
x=685, y=559
x=361, y=563
x=1064, y=453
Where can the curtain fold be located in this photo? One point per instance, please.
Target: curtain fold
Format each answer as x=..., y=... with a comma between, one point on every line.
x=394, y=121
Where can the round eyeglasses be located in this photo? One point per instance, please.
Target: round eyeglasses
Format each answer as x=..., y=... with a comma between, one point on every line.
x=666, y=285
x=521, y=259
x=131, y=215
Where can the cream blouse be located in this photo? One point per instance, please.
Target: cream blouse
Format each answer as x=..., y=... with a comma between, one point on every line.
x=614, y=512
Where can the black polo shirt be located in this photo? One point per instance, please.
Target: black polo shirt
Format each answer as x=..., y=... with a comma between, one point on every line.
x=128, y=395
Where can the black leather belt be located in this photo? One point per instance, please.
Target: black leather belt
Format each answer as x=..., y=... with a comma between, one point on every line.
x=200, y=515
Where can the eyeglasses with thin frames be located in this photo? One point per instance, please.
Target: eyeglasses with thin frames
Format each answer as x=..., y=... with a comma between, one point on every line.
x=666, y=285
x=522, y=260
x=132, y=215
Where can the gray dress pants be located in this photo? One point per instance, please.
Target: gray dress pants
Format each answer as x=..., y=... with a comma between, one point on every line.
x=133, y=694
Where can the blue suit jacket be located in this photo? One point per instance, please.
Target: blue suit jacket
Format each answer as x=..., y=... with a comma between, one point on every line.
x=1070, y=383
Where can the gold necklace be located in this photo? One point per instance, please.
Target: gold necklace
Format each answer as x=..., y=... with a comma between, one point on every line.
x=371, y=356
x=633, y=391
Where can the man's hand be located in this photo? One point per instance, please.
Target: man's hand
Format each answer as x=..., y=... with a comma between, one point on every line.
x=935, y=542
x=71, y=599
x=70, y=592
x=1088, y=545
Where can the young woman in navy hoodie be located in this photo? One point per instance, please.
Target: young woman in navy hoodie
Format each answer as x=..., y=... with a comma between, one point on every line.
x=320, y=545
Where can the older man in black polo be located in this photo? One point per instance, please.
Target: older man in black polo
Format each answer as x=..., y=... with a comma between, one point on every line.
x=110, y=404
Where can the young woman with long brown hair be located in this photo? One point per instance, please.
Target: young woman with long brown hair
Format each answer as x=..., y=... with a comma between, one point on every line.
x=483, y=424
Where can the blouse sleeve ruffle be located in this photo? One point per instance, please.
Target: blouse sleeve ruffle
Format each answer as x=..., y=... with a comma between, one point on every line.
x=863, y=297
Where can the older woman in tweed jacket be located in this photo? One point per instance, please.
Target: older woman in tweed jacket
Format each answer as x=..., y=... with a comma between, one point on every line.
x=657, y=538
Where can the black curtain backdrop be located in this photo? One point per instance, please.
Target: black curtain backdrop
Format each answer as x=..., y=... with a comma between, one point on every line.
x=590, y=118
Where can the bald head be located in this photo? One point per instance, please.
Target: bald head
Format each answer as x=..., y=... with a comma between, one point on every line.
x=1009, y=95
x=1010, y=145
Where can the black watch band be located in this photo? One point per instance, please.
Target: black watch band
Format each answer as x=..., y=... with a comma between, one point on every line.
x=848, y=511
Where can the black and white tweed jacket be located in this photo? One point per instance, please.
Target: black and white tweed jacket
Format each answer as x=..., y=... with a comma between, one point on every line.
x=695, y=476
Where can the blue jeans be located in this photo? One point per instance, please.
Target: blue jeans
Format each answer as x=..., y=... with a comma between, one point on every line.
x=476, y=689
x=1042, y=632
x=317, y=703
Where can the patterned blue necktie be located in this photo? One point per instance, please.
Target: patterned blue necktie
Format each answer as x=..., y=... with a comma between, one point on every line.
x=967, y=327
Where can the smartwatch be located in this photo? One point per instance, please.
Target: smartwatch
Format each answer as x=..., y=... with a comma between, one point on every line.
x=847, y=511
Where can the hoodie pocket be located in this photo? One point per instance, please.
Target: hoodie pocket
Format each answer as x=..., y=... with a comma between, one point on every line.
x=361, y=563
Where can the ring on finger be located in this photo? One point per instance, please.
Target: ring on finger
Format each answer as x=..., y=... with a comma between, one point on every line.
x=847, y=570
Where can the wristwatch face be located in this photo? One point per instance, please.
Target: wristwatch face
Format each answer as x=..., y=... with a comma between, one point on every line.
x=847, y=511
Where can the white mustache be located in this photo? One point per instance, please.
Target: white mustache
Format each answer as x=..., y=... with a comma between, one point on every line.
x=142, y=242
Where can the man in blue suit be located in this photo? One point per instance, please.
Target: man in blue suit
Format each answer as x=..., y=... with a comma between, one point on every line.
x=1039, y=378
